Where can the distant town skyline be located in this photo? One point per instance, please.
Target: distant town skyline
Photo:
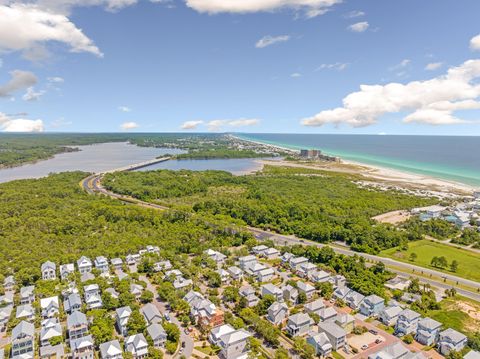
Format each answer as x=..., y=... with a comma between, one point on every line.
x=292, y=66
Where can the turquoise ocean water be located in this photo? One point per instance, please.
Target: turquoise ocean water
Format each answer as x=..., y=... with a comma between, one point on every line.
x=455, y=158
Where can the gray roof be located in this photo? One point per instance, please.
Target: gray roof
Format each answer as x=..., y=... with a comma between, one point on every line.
x=80, y=343
x=300, y=318
x=409, y=314
x=304, y=287
x=156, y=331
x=27, y=291
x=23, y=328
x=315, y=305
x=429, y=323
x=472, y=354
x=455, y=336
x=75, y=319
x=235, y=337
x=374, y=299
x=332, y=329
x=110, y=348
x=396, y=350
x=150, y=311
x=48, y=265
x=48, y=351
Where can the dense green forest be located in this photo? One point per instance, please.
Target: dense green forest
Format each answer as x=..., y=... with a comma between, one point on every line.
x=16, y=149
x=312, y=204
x=54, y=219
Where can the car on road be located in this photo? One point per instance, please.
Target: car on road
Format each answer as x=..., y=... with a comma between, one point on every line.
x=378, y=341
x=373, y=331
x=183, y=345
x=166, y=316
x=365, y=347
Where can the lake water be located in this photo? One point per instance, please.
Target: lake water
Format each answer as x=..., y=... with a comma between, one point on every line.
x=107, y=156
x=92, y=158
x=236, y=166
x=454, y=158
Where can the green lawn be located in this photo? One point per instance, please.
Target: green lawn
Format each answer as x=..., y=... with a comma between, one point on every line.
x=469, y=262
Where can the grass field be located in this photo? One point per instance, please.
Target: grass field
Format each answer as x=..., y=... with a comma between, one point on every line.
x=461, y=314
x=469, y=262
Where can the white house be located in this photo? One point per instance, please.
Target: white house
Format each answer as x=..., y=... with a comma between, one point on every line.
x=111, y=350
x=234, y=345
x=270, y=289
x=84, y=265
x=277, y=313
x=49, y=271
x=82, y=348
x=217, y=332
x=27, y=295
x=101, y=264
x=66, y=270
x=449, y=340
x=407, y=322
x=93, y=300
x=306, y=289
x=314, y=307
x=137, y=345
x=321, y=344
x=235, y=272
x=389, y=315
x=266, y=275
x=23, y=341
x=336, y=335
x=122, y=316
x=299, y=324
x=157, y=334
x=427, y=331
x=50, y=307
x=372, y=305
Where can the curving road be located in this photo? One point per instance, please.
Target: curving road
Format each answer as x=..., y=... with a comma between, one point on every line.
x=92, y=185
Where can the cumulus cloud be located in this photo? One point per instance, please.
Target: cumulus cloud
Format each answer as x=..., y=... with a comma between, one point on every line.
x=65, y=6
x=191, y=125
x=296, y=75
x=359, y=26
x=475, y=43
x=271, y=40
x=32, y=95
x=339, y=66
x=433, y=66
x=27, y=28
x=124, y=109
x=430, y=102
x=9, y=124
x=56, y=80
x=311, y=8
x=353, y=14
x=217, y=125
x=19, y=80
x=129, y=126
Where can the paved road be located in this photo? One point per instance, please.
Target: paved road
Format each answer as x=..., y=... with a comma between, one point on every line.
x=184, y=338
x=92, y=185
x=405, y=267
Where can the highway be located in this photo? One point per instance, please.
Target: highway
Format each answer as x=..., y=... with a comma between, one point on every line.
x=92, y=185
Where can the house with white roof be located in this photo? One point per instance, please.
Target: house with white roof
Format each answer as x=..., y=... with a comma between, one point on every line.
x=101, y=264
x=299, y=324
x=23, y=341
x=353, y=299
x=83, y=347
x=217, y=257
x=117, y=263
x=224, y=275
x=341, y=292
x=122, y=315
x=5, y=313
x=328, y=314
x=27, y=295
x=248, y=293
x=271, y=253
x=246, y=261
x=162, y=265
x=234, y=345
x=72, y=303
x=389, y=315
x=52, y=352
x=136, y=290
x=153, y=249
x=270, y=289
x=111, y=350
x=407, y=322
x=277, y=313
x=203, y=310
x=181, y=283
x=451, y=340
x=296, y=262
x=235, y=273
x=472, y=354
x=66, y=270
x=336, y=334
x=49, y=270
x=266, y=275
x=372, y=305
x=157, y=334
x=319, y=276
x=393, y=351
x=258, y=250
x=314, y=307
x=290, y=293
x=255, y=268
x=50, y=307
x=427, y=331
x=306, y=269
x=93, y=300
x=321, y=344
x=52, y=330
x=9, y=283
x=25, y=312
x=306, y=289
x=84, y=265
x=217, y=332
x=285, y=257
x=137, y=345
x=345, y=321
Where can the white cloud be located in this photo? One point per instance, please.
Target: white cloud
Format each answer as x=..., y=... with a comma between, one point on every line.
x=129, y=126
x=124, y=109
x=359, y=26
x=431, y=102
x=270, y=40
x=339, y=66
x=311, y=8
x=433, y=66
x=191, y=125
x=66, y=6
x=8, y=124
x=296, y=75
x=217, y=125
x=56, y=80
x=475, y=43
x=353, y=14
x=20, y=80
x=36, y=28
x=32, y=95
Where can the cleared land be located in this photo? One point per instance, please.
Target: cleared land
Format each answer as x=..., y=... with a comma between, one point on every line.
x=394, y=217
x=469, y=262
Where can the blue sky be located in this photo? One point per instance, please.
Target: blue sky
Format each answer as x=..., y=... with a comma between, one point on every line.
x=241, y=65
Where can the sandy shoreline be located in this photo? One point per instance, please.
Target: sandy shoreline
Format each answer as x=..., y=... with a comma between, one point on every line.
x=384, y=175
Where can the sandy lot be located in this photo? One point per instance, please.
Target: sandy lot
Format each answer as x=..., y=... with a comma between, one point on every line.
x=393, y=217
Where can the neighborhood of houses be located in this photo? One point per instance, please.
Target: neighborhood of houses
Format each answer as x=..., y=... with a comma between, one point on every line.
x=348, y=325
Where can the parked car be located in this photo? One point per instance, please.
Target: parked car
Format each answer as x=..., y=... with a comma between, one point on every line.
x=365, y=347
x=373, y=331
